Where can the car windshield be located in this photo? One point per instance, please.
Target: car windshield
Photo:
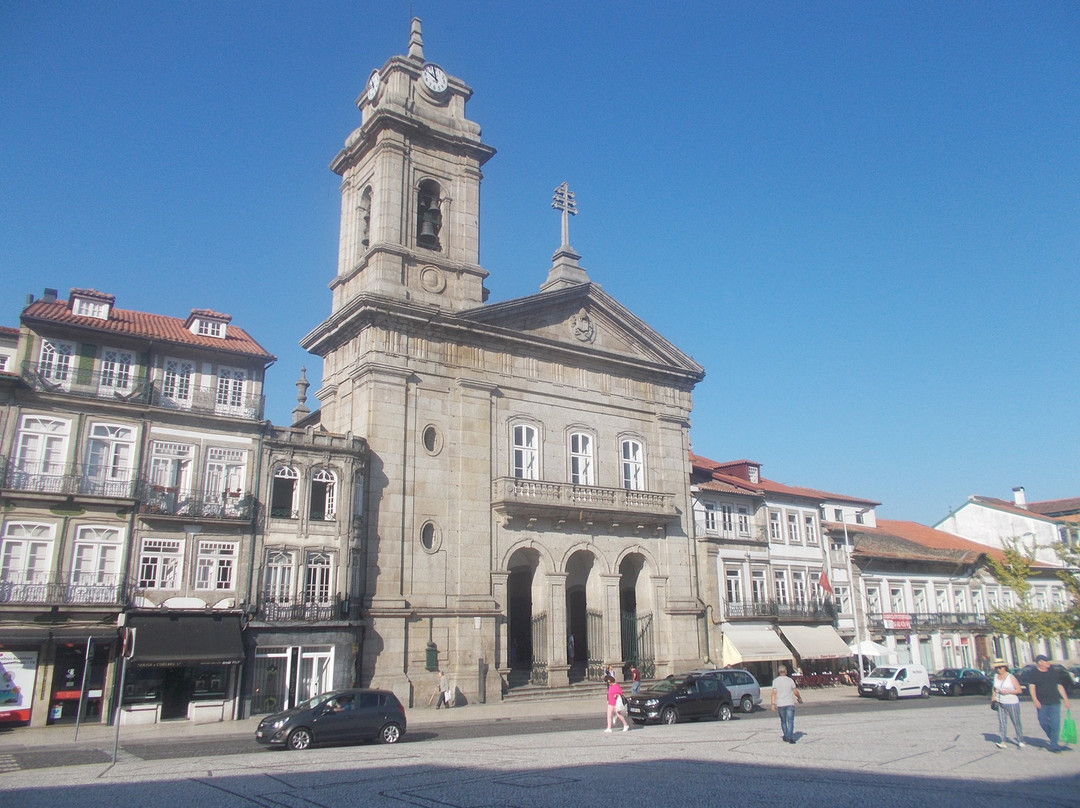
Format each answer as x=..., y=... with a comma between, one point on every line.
x=665, y=686
x=883, y=673
x=948, y=673
x=314, y=702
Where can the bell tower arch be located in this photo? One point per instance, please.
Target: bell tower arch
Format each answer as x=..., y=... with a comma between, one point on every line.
x=410, y=189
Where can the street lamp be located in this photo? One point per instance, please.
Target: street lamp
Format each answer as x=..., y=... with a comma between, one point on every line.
x=851, y=595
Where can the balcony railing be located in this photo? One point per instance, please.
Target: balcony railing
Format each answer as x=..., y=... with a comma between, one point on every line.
x=156, y=500
x=50, y=590
x=299, y=611
x=133, y=387
x=67, y=479
x=752, y=534
x=516, y=497
x=820, y=610
x=929, y=621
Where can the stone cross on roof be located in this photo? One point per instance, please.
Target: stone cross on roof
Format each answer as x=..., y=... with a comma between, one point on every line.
x=564, y=201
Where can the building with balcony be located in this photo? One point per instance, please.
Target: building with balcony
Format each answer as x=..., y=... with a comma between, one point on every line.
x=765, y=555
x=131, y=441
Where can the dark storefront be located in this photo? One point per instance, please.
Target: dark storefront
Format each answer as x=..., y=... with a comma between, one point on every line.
x=184, y=666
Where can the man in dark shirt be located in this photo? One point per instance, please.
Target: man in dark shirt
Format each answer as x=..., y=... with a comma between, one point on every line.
x=1048, y=694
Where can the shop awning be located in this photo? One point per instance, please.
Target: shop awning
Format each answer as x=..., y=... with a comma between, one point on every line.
x=28, y=635
x=174, y=639
x=756, y=643
x=816, y=642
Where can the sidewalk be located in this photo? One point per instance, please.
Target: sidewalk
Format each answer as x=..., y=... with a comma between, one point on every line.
x=17, y=738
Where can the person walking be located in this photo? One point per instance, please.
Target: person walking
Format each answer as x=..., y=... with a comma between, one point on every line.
x=635, y=680
x=444, y=691
x=1048, y=694
x=614, y=694
x=1007, y=697
x=784, y=696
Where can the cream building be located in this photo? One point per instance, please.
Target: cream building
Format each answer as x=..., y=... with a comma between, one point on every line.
x=528, y=470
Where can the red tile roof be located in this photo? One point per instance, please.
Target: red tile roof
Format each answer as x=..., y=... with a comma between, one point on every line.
x=712, y=468
x=142, y=325
x=1056, y=507
x=910, y=540
x=7, y=331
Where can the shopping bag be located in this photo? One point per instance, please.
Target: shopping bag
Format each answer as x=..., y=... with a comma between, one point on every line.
x=1068, y=729
x=620, y=705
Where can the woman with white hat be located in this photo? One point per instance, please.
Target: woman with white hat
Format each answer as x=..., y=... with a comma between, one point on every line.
x=1007, y=698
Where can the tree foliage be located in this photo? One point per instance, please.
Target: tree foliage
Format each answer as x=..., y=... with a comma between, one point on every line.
x=1023, y=620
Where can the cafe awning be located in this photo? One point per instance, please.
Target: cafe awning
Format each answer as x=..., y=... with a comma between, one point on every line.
x=756, y=643
x=816, y=642
x=173, y=639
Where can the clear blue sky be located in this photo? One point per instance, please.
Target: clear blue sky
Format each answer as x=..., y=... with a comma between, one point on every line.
x=861, y=218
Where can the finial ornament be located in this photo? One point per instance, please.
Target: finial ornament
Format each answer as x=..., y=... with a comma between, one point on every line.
x=416, y=41
x=564, y=201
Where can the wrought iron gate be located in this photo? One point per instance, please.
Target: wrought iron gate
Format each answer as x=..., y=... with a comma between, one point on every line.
x=594, y=643
x=637, y=643
x=538, y=672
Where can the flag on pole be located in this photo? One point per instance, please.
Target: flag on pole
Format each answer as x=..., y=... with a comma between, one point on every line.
x=823, y=582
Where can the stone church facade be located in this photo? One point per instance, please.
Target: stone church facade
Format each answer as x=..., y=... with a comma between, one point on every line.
x=527, y=512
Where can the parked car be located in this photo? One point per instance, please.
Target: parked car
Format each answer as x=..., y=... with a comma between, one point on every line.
x=340, y=716
x=893, y=681
x=958, y=681
x=744, y=688
x=681, y=698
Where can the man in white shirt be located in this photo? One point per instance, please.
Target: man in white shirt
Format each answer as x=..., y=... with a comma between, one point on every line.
x=784, y=696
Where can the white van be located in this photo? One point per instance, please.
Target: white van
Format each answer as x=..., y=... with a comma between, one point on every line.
x=894, y=681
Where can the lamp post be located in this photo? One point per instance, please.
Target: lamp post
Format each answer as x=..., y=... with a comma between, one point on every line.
x=851, y=597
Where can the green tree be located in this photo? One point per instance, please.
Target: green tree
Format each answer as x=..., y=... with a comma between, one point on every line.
x=1069, y=553
x=1023, y=621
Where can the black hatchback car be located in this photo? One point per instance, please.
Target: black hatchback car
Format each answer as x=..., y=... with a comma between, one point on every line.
x=340, y=716
x=681, y=698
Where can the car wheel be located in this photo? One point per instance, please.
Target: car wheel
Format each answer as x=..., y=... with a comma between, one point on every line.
x=746, y=704
x=299, y=739
x=893, y=694
x=925, y=693
x=724, y=713
x=669, y=716
x=391, y=733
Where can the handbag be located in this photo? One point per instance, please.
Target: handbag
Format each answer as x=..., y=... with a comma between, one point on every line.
x=620, y=704
x=1068, y=729
x=994, y=706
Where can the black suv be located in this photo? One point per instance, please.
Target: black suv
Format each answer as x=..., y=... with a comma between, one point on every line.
x=681, y=698
x=341, y=716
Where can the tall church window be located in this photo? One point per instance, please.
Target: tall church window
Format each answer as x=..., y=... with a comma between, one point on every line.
x=581, y=459
x=429, y=215
x=284, y=494
x=526, y=456
x=633, y=466
x=323, y=506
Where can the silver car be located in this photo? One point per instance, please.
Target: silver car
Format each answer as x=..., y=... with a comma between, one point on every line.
x=745, y=690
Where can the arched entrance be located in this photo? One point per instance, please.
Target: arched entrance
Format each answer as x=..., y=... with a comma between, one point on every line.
x=583, y=624
x=520, y=618
x=636, y=616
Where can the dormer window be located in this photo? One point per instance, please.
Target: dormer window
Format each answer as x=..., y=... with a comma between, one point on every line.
x=88, y=303
x=752, y=473
x=208, y=323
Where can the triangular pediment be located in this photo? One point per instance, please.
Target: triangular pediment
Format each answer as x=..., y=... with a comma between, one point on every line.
x=584, y=318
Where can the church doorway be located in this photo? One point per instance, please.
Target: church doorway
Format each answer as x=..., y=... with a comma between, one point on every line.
x=584, y=620
x=637, y=644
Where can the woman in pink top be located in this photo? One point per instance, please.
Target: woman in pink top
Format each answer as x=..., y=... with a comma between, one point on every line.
x=613, y=693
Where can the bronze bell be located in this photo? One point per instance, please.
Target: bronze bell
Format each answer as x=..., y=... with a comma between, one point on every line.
x=429, y=233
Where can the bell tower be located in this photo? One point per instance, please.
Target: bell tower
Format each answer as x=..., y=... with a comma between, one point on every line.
x=410, y=190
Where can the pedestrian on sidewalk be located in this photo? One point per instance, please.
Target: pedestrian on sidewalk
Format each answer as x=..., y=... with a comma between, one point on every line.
x=1007, y=697
x=635, y=680
x=614, y=698
x=444, y=691
x=784, y=696
x=1048, y=694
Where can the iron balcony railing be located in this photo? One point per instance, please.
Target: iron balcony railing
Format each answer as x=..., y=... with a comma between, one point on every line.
x=67, y=479
x=132, y=386
x=157, y=500
x=929, y=621
x=821, y=610
x=74, y=590
x=305, y=611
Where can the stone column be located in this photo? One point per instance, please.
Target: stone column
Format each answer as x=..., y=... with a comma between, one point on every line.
x=558, y=670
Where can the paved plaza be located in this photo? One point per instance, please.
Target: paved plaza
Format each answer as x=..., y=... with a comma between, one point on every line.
x=940, y=755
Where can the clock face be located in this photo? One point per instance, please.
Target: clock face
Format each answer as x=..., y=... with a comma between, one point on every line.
x=434, y=78
x=373, y=85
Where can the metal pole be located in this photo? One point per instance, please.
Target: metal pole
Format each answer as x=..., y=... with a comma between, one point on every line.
x=119, y=709
x=82, y=687
x=854, y=601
